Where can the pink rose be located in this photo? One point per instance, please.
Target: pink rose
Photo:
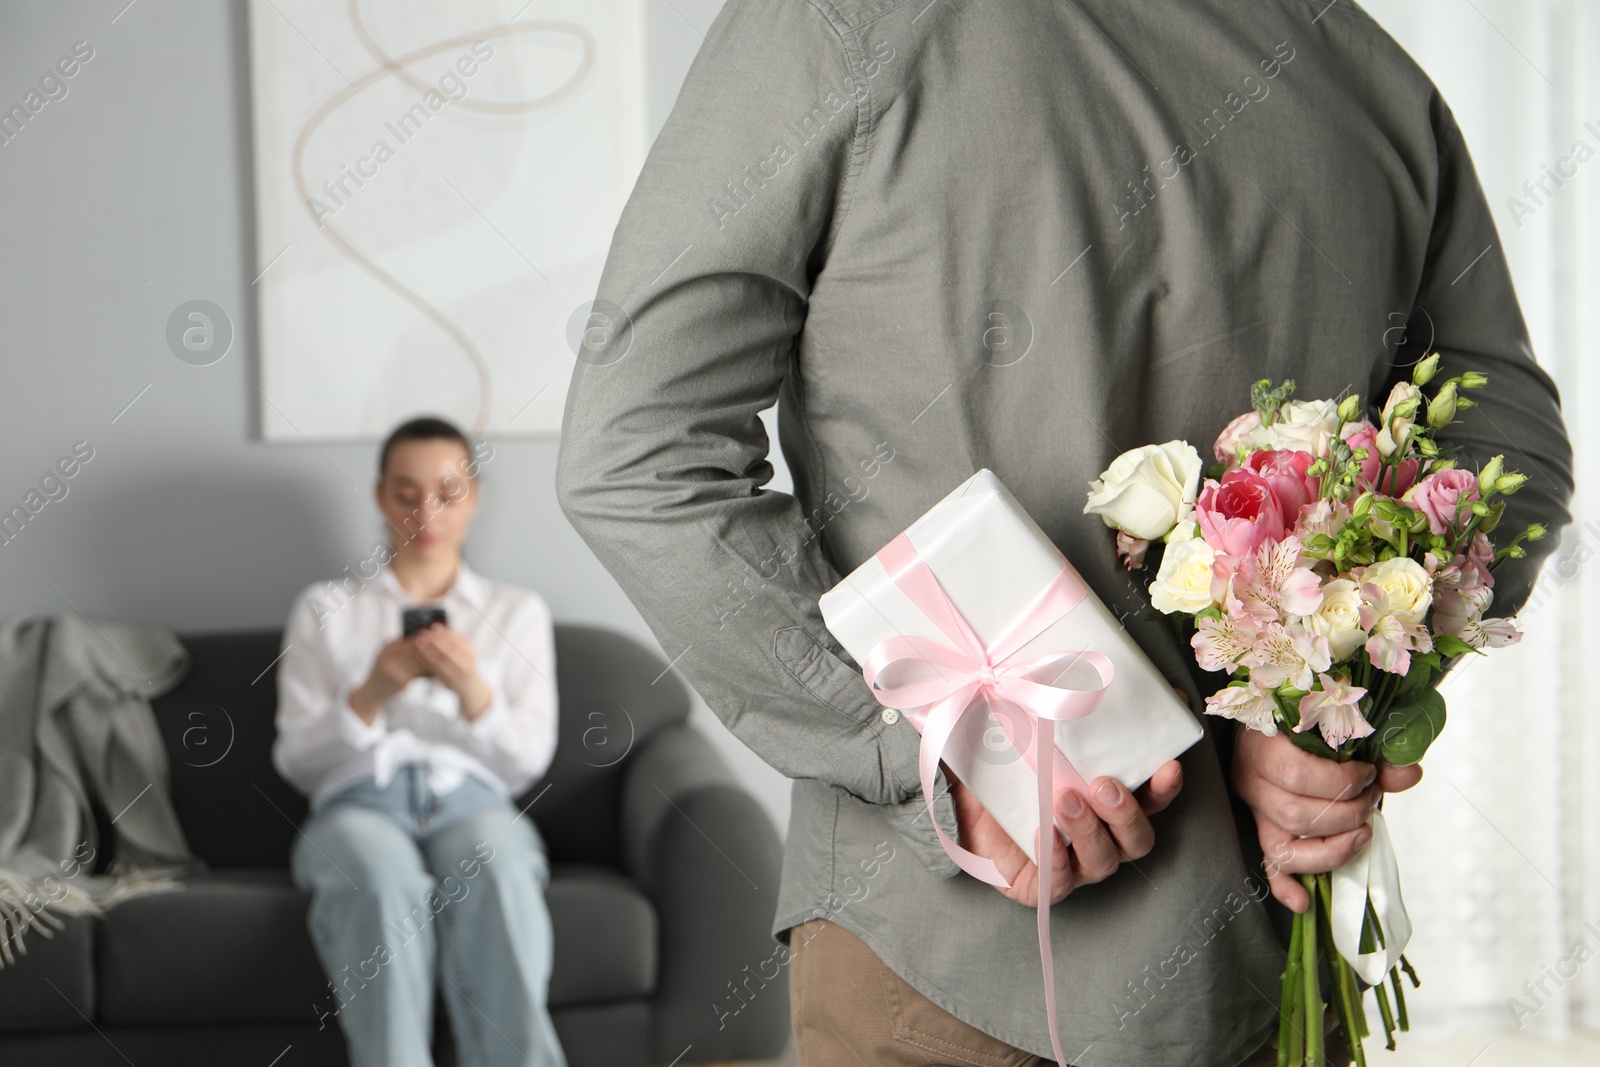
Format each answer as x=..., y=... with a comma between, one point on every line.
x=1365, y=435
x=1236, y=434
x=1238, y=513
x=1439, y=495
x=1285, y=472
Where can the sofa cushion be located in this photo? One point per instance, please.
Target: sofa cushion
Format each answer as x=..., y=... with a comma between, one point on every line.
x=230, y=945
x=218, y=724
x=52, y=987
x=605, y=934
x=233, y=945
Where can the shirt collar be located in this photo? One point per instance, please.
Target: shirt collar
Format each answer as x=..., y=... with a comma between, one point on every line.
x=468, y=585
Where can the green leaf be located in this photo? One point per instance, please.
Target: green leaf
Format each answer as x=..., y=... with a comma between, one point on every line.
x=1450, y=646
x=1408, y=729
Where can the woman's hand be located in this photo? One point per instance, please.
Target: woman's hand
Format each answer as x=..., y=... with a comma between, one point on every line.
x=1311, y=813
x=396, y=665
x=1114, y=826
x=449, y=656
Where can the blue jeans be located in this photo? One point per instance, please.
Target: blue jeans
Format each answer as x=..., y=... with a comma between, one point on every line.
x=407, y=884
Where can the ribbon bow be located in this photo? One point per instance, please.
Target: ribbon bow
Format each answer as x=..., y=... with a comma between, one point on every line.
x=967, y=670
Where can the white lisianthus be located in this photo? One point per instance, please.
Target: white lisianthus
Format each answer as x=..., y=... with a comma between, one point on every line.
x=1302, y=426
x=1148, y=490
x=1408, y=587
x=1339, y=619
x=1184, y=581
x=1393, y=431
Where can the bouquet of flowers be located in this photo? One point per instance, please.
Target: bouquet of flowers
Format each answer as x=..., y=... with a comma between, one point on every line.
x=1334, y=568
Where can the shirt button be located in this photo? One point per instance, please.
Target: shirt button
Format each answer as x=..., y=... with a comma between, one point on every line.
x=889, y=715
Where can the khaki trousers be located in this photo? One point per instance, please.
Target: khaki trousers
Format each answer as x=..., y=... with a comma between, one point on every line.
x=847, y=1008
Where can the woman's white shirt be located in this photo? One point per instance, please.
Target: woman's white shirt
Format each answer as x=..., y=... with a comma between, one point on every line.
x=330, y=642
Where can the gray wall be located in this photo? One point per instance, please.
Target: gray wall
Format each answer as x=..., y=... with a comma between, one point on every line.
x=130, y=196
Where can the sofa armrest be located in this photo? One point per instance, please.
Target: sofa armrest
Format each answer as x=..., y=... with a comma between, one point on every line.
x=710, y=858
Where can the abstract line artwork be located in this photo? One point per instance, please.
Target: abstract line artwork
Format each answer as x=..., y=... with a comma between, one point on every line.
x=436, y=186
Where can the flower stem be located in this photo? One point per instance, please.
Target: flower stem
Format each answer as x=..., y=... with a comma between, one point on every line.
x=1315, y=1009
x=1288, y=1009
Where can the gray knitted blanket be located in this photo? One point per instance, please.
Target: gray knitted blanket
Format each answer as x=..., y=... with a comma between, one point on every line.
x=76, y=724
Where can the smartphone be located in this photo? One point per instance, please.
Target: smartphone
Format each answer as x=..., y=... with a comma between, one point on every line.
x=414, y=619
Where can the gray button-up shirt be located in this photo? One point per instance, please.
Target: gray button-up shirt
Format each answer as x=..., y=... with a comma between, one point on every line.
x=1027, y=235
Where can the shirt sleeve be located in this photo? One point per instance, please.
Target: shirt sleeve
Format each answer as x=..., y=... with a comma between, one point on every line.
x=317, y=728
x=1467, y=307
x=694, y=332
x=515, y=737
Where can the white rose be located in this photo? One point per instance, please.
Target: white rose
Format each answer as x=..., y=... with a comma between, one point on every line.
x=1405, y=583
x=1184, y=581
x=1339, y=619
x=1303, y=426
x=1146, y=491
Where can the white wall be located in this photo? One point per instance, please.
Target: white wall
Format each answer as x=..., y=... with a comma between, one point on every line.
x=132, y=195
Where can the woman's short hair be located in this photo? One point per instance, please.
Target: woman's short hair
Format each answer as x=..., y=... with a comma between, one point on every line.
x=426, y=428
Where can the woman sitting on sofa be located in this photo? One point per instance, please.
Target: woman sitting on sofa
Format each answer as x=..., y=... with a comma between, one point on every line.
x=411, y=749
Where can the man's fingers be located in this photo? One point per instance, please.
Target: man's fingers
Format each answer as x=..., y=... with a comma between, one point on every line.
x=1284, y=852
x=1284, y=764
x=1290, y=893
x=1061, y=877
x=1123, y=817
x=1162, y=788
x=1095, y=852
x=1394, y=779
x=1313, y=816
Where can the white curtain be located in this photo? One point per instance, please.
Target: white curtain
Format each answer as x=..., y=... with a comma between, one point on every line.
x=1500, y=845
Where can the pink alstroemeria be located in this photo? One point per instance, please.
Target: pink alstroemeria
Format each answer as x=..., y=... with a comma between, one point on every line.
x=1288, y=654
x=1249, y=704
x=1393, y=637
x=1272, y=584
x=1336, y=708
x=1131, y=550
x=1326, y=517
x=1458, y=611
x=1221, y=643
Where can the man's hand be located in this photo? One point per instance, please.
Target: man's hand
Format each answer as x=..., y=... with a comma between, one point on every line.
x=448, y=655
x=1114, y=826
x=1311, y=813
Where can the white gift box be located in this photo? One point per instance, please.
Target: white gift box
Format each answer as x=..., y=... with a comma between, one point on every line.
x=992, y=560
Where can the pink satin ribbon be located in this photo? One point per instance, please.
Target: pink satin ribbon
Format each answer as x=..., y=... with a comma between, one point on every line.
x=967, y=670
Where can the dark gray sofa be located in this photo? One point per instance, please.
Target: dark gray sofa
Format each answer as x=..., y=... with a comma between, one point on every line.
x=663, y=889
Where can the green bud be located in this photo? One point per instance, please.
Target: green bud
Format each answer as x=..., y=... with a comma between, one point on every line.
x=1490, y=474
x=1427, y=448
x=1442, y=409
x=1350, y=408
x=1407, y=409
x=1424, y=371
x=1363, y=504
x=1516, y=552
x=1535, y=532
x=1510, y=483
x=1479, y=508
x=1496, y=510
x=1473, y=380
x=1419, y=522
